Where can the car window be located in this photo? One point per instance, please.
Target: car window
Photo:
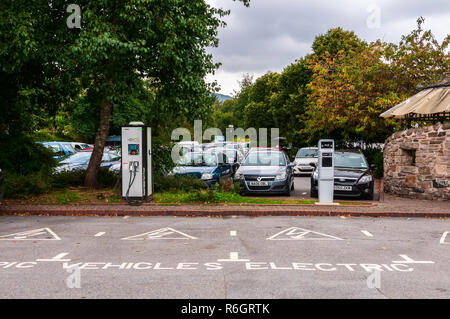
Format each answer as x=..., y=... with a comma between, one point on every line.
x=303, y=152
x=349, y=160
x=265, y=159
x=78, y=158
x=56, y=149
x=198, y=159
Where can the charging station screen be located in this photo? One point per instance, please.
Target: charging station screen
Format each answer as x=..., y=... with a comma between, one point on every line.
x=133, y=149
x=326, y=144
x=327, y=161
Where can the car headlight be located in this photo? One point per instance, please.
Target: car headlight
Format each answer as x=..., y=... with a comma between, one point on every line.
x=365, y=179
x=281, y=176
x=206, y=176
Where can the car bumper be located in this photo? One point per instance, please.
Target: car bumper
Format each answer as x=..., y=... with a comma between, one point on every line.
x=303, y=170
x=357, y=191
x=273, y=187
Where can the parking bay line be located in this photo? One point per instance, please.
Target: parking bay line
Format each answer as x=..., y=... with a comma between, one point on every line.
x=444, y=235
x=233, y=233
x=365, y=232
x=100, y=234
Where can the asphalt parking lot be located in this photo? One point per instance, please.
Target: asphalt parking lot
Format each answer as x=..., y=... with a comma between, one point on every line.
x=241, y=257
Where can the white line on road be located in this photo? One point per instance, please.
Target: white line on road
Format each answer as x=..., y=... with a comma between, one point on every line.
x=234, y=256
x=56, y=258
x=408, y=260
x=100, y=234
x=365, y=232
x=233, y=233
x=444, y=235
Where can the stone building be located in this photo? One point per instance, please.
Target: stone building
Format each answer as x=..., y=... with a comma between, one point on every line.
x=417, y=163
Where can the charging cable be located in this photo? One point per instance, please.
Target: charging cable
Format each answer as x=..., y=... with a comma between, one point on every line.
x=133, y=166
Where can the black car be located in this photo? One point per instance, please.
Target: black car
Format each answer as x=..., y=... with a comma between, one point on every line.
x=352, y=176
x=266, y=171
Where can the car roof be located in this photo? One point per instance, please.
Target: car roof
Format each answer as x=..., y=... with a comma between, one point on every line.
x=308, y=148
x=350, y=151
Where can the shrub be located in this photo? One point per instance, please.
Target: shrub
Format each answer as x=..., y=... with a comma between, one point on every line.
x=178, y=182
x=64, y=179
x=20, y=186
x=375, y=156
x=22, y=156
x=106, y=178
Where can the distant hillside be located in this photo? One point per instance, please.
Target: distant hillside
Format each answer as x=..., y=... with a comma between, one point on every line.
x=222, y=97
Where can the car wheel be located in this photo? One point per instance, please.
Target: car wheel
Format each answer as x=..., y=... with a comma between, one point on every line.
x=313, y=193
x=288, y=192
x=369, y=196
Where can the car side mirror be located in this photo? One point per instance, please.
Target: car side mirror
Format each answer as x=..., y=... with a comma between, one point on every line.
x=313, y=164
x=373, y=166
x=291, y=164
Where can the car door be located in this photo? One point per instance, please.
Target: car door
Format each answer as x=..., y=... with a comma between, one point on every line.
x=224, y=168
x=289, y=169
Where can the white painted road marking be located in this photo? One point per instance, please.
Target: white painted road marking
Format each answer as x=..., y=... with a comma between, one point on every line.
x=233, y=233
x=365, y=232
x=234, y=256
x=408, y=260
x=56, y=258
x=296, y=233
x=163, y=233
x=444, y=235
x=99, y=234
x=31, y=235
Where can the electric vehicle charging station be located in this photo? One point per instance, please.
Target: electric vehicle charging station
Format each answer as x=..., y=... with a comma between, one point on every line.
x=326, y=171
x=136, y=168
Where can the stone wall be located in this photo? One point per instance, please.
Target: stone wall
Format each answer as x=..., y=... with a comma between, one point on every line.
x=417, y=163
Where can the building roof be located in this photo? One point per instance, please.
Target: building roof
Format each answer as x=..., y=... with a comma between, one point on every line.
x=433, y=100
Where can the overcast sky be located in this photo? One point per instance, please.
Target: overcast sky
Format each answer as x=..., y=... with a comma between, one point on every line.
x=271, y=34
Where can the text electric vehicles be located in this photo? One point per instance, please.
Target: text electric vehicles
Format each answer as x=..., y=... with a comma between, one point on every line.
x=266, y=171
x=352, y=176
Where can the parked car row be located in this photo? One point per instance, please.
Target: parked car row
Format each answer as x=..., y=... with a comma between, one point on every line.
x=266, y=170
x=260, y=170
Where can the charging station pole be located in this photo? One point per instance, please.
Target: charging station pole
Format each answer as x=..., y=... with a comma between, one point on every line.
x=136, y=168
x=326, y=171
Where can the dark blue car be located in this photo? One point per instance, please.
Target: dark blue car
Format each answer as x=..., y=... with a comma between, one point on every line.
x=207, y=166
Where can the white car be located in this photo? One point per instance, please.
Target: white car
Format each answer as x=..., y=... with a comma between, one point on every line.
x=115, y=168
x=305, y=156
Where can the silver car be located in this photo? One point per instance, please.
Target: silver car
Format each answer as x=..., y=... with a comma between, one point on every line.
x=266, y=171
x=305, y=156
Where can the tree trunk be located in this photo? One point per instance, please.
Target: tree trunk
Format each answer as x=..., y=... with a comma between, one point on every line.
x=91, y=180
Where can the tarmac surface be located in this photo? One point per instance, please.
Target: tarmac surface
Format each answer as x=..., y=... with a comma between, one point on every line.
x=232, y=257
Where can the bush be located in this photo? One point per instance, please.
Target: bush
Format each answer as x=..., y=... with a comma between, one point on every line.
x=375, y=156
x=20, y=186
x=178, y=182
x=22, y=156
x=64, y=179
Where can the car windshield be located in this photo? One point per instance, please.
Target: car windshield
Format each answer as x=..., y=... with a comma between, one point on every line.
x=265, y=159
x=198, y=159
x=304, y=152
x=78, y=158
x=349, y=160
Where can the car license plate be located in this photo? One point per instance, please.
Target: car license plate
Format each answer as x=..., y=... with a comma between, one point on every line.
x=259, y=184
x=342, y=188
